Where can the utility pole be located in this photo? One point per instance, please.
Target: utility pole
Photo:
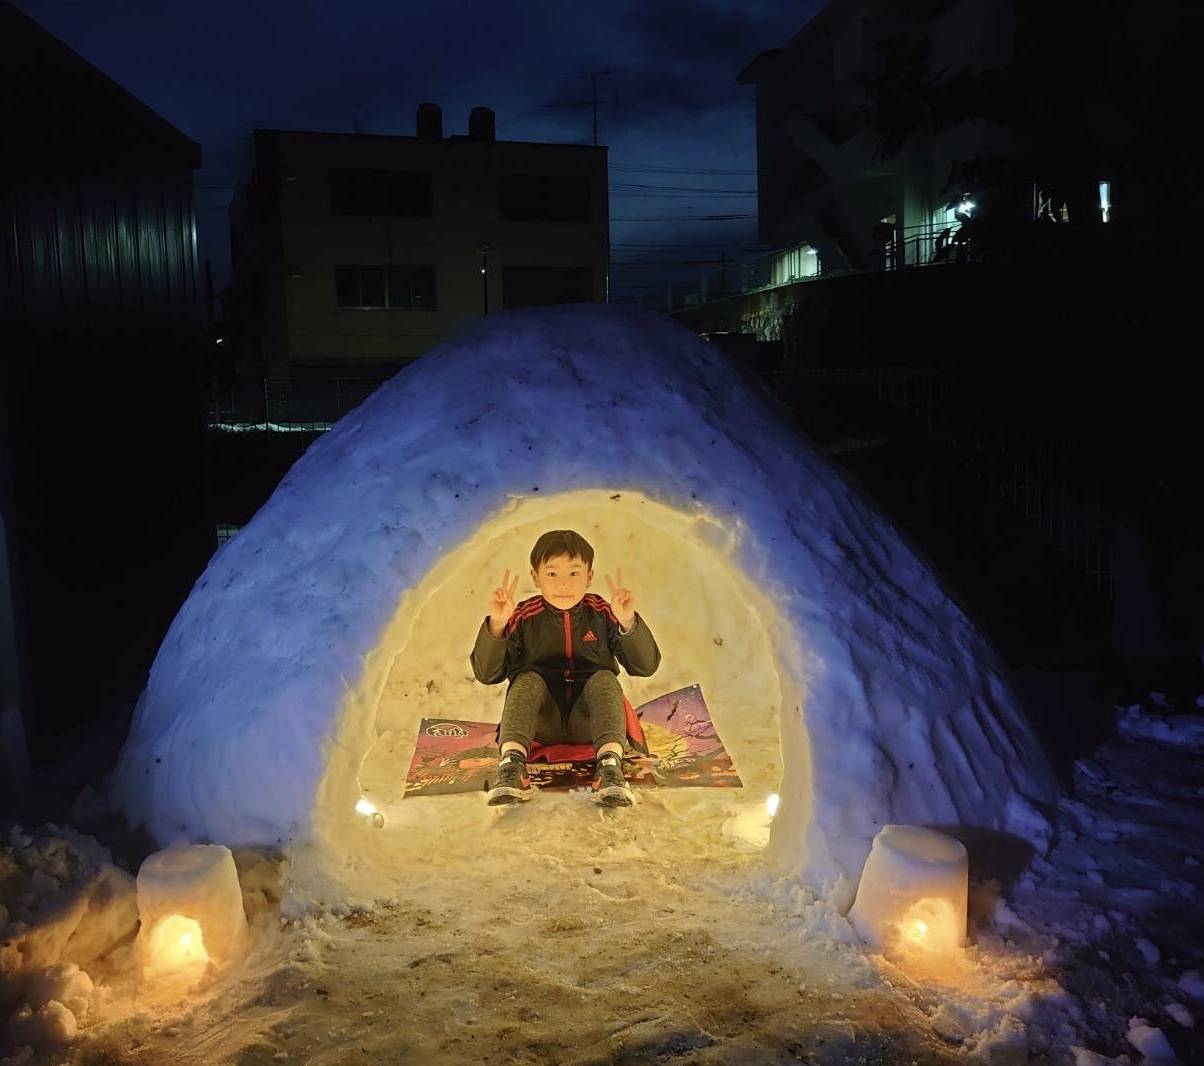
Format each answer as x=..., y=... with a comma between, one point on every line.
x=593, y=97
x=592, y=102
x=484, y=249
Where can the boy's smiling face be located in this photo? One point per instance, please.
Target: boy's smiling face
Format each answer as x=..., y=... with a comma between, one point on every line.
x=562, y=580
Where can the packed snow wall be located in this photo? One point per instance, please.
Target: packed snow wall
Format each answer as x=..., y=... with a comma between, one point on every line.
x=371, y=562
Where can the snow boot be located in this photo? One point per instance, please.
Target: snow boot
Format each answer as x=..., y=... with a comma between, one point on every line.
x=512, y=783
x=610, y=786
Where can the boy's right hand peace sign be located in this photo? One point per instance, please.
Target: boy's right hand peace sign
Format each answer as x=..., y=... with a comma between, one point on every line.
x=501, y=604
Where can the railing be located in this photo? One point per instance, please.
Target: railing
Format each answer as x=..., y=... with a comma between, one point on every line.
x=927, y=244
x=284, y=405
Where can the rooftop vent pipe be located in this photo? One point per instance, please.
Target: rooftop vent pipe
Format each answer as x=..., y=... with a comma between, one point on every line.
x=480, y=124
x=430, y=122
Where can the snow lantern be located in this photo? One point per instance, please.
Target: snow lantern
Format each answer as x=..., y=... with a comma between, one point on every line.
x=913, y=891
x=191, y=912
x=839, y=673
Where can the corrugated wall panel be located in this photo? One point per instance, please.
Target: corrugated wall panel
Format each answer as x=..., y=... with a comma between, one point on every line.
x=114, y=244
x=69, y=250
x=100, y=242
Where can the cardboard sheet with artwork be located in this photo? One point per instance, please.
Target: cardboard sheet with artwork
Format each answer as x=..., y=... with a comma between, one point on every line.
x=684, y=750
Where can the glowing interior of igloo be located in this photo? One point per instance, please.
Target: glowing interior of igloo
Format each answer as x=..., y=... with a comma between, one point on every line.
x=714, y=627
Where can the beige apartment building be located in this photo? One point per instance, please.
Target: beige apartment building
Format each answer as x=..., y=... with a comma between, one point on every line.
x=353, y=254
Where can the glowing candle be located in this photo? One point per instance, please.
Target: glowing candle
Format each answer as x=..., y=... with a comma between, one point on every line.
x=368, y=810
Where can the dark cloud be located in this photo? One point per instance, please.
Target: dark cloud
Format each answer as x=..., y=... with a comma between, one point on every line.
x=218, y=71
x=692, y=50
x=694, y=31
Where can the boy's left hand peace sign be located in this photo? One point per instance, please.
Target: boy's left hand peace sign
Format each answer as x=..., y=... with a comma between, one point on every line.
x=622, y=601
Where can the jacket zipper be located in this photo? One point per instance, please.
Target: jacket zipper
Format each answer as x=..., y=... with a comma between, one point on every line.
x=568, y=654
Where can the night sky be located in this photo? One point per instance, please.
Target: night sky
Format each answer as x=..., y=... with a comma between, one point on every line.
x=670, y=109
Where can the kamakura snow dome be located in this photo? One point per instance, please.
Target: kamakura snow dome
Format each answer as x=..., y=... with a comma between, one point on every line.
x=837, y=671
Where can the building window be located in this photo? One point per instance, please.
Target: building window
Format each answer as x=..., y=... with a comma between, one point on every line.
x=381, y=193
x=532, y=286
x=543, y=198
x=410, y=288
x=801, y=261
x=1046, y=208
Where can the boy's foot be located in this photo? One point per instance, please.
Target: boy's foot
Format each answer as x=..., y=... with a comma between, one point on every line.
x=610, y=786
x=512, y=784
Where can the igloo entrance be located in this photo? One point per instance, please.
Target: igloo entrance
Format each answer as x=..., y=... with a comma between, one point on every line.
x=714, y=628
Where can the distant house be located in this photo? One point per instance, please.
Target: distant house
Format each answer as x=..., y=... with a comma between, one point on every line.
x=101, y=399
x=353, y=254
x=882, y=127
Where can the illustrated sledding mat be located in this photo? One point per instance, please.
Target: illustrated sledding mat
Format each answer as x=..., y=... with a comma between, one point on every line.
x=684, y=750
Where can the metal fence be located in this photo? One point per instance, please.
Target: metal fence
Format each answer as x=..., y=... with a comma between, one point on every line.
x=289, y=404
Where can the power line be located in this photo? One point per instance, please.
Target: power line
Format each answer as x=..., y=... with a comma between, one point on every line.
x=683, y=188
x=653, y=169
x=677, y=194
x=693, y=247
x=679, y=218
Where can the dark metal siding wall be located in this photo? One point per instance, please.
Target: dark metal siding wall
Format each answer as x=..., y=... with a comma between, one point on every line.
x=121, y=244
x=102, y=358
x=102, y=443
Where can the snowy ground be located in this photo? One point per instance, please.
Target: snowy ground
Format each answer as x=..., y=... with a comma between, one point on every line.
x=651, y=935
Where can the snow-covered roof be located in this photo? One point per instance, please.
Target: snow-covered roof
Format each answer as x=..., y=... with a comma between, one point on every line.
x=764, y=574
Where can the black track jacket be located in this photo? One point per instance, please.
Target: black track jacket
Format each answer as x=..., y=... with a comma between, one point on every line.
x=563, y=647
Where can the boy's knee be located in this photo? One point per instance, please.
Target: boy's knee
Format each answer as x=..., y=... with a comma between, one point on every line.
x=603, y=681
x=528, y=684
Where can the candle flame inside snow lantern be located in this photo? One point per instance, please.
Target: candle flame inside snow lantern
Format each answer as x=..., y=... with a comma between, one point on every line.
x=365, y=807
x=191, y=913
x=913, y=892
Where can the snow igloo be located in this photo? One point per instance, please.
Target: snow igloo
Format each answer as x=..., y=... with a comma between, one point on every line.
x=838, y=672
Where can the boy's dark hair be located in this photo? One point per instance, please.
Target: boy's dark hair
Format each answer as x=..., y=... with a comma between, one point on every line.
x=561, y=542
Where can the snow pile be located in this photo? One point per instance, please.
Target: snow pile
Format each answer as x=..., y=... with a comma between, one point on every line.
x=1149, y=1040
x=838, y=671
x=1192, y=984
x=63, y=905
x=1176, y=731
x=57, y=1001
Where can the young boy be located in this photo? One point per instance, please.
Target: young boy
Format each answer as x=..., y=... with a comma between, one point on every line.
x=561, y=652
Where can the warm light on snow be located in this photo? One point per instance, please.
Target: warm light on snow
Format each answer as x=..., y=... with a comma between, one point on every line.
x=771, y=804
x=177, y=946
x=931, y=925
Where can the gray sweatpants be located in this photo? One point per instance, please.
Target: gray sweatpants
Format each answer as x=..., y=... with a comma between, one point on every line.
x=596, y=717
